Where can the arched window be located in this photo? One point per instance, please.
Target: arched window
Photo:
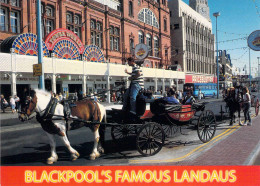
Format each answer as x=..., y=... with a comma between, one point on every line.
x=149, y=43
x=148, y=17
x=156, y=46
x=141, y=37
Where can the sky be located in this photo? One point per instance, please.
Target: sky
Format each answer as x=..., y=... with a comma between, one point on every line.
x=238, y=18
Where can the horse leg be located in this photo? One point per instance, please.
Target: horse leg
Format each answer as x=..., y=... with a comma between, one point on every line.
x=54, y=157
x=73, y=153
x=101, y=143
x=95, y=154
x=231, y=117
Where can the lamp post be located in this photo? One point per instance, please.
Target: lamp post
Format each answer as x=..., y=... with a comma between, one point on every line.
x=216, y=14
x=39, y=41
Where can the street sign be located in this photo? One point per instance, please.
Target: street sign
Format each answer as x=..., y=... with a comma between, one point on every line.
x=37, y=69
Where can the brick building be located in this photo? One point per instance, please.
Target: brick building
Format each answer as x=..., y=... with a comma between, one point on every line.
x=116, y=26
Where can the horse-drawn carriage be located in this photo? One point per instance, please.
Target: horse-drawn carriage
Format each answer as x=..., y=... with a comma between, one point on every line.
x=150, y=129
x=160, y=121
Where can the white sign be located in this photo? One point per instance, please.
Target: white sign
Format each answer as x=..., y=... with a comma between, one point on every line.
x=141, y=51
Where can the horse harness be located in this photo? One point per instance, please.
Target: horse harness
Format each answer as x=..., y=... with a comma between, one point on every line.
x=46, y=119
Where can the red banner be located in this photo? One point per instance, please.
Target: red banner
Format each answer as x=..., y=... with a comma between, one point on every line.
x=131, y=175
x=200, y=79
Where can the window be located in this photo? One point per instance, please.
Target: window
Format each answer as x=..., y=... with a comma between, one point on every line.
x=15, y=22
x=156, y=47
x=15, y=3
x=141, y=37
x=139, y=2
x=114, y=38
x=49, y=26
x=3, y=20
x=48, y=16
x=96, y=28
x=165, y=24
x=130, y=8
x=148, y=17
x=74, y=23
x=69, y=17
x=132, y=45
x=149, y=43
x=49, y=11
x=4, y=1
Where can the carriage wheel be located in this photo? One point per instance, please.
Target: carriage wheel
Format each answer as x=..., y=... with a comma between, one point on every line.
x=120, y=132
x=206, y=126
x=257, y=107
x=170, y=130
x=150, y=139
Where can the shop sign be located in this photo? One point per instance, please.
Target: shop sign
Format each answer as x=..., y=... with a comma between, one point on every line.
x=141, y=51
x=63, y=34
x=37, y=69
x=199, y=79
x=254, y=40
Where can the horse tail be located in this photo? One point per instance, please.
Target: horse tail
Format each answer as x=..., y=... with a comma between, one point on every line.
x=102, y=113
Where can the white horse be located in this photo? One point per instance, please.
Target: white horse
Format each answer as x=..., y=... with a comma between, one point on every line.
x=87, y=110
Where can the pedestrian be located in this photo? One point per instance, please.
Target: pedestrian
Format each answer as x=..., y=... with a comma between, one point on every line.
x=60, y=97
x=12, y=104
x=246, y=106
x=17, y=103
x=4, y=103
x=199, y=94
x=180, y=96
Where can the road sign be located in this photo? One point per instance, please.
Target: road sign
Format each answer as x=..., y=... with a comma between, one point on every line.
x=37, y=69
x=254, y=40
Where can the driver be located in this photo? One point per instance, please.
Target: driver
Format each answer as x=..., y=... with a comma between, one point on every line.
x=137, y=83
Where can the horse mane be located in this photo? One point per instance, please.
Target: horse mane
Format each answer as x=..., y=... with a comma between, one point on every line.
x=42, y=92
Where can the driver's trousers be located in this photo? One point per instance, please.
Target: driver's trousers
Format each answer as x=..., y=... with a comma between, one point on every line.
x=132, y=93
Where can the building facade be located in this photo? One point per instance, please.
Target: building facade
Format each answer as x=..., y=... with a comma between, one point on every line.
x=111, y=27
x=115, y=26
x=225, y=70
x=192, y=43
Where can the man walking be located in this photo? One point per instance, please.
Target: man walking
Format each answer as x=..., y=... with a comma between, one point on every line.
x=137, y=83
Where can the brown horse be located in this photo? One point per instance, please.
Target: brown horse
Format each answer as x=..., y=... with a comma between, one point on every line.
x=55, y=119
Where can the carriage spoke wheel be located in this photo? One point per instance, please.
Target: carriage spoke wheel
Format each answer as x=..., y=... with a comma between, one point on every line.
x=120, y=132
x=206, y=126
x=170, y=130
x=150, y=139
x=257, y=107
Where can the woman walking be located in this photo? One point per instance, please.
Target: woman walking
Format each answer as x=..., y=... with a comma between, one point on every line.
x=12, y=104
x=246, y=106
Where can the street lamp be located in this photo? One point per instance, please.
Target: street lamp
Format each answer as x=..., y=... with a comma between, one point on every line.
x=216, y=14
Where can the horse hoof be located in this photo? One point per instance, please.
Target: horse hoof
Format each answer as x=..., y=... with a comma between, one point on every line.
x=52, y=160
x=92, y=157
x=97, y=154
x=101, y=150
x=74, y=156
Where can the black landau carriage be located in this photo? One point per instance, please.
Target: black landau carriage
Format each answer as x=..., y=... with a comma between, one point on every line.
x=161, y=121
